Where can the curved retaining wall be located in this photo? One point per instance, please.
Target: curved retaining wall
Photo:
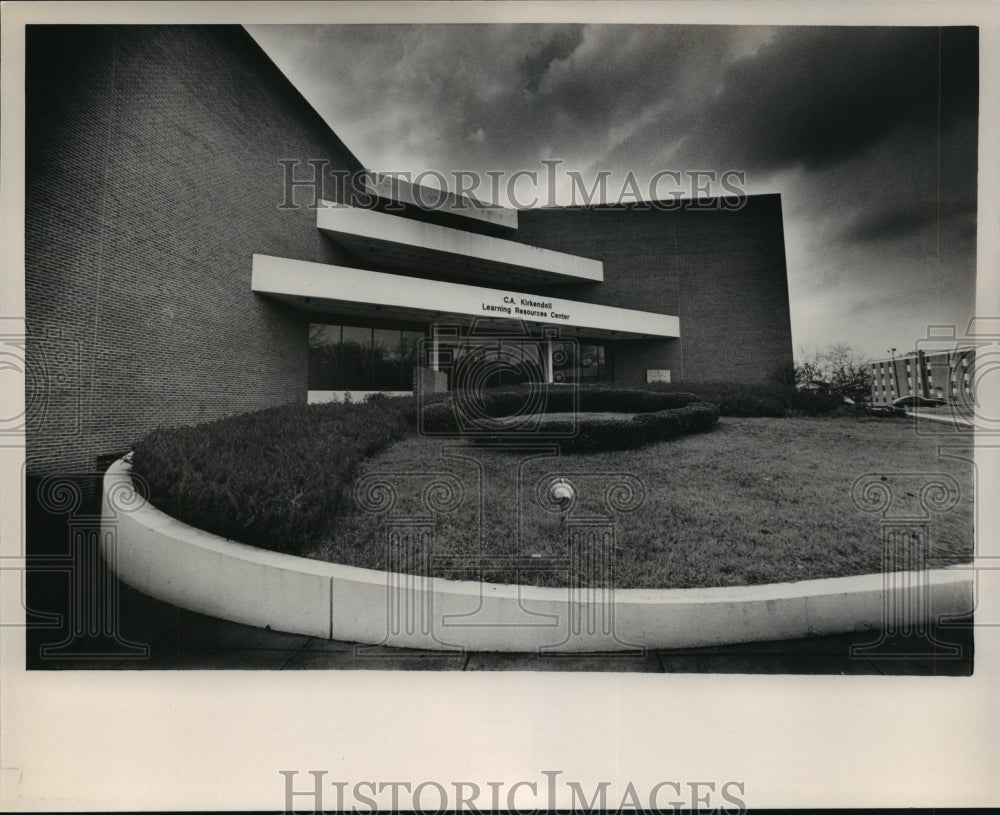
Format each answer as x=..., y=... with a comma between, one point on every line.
x=187, y=567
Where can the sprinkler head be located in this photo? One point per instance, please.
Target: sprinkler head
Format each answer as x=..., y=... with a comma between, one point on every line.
x=562, y=491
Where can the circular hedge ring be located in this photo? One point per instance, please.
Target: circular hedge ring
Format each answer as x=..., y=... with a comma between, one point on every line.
x=584, y=420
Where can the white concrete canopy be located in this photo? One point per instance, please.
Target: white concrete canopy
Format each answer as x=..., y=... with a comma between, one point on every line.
x=347, y=291
x=399, y=190
x=390, y=240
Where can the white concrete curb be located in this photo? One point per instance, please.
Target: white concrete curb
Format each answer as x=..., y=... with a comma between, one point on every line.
x=950, y=419
x=187, y=567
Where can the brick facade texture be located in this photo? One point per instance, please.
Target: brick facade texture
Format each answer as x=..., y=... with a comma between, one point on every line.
x=721, y=271
x=152, y=179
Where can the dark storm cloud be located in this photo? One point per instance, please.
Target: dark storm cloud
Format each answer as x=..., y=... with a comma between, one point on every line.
x=817, y=97
x=493, y=97
x=563, y=42
x=623, y=76
x=908, y=219
x=914, y=186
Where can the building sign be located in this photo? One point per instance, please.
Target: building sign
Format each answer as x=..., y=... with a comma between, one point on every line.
x=516, y=306
x=377, y=294
x=657, y=375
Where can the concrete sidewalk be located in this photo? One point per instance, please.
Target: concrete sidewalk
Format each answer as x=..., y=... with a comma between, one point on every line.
x=946, y=415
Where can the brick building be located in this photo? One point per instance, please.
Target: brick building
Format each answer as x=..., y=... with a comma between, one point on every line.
x=171, y=280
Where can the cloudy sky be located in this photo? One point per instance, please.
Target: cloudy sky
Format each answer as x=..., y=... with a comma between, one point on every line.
x=869, y=134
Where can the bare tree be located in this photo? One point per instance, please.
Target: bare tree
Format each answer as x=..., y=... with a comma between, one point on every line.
x=839, y=367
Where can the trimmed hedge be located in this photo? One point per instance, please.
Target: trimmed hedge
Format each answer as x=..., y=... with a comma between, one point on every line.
x=618, y=433
x=524, y=406
x=733, y=400
x=275, y=478
x=759, y=400
x=576, y=431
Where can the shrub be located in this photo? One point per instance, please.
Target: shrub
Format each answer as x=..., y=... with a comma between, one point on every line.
x=766, y=399
x=733, y=399
x=589, y=433
x=632, y=401
x=438, y=417
x=463, y=413
x=617, y=433
x=275, y=478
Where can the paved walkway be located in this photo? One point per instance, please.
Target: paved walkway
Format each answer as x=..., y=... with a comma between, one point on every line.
x=946, y=415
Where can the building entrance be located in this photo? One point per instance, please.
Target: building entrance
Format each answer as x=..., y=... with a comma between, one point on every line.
x=495, y=362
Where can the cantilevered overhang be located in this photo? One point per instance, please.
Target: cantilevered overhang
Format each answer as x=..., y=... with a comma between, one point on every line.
x=345, y=291
x=399, y=191
x=389, y=240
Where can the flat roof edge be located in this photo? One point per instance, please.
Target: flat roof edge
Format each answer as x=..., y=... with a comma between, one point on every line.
x=420, y=237
x=394, y=188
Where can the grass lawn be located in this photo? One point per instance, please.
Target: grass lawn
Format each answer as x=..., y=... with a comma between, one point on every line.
x=757, y=500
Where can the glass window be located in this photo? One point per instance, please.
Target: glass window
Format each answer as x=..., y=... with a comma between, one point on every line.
x=324, y=357
x=409, y=356
x=356, y=359
x=579, y=362
x=591, y=363
x=385, y=359
x=563, y=362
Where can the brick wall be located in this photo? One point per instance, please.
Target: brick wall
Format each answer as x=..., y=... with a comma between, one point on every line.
x=721, y=272
x=151, y=181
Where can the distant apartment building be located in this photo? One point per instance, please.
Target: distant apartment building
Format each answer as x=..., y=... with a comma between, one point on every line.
x=943, y=375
